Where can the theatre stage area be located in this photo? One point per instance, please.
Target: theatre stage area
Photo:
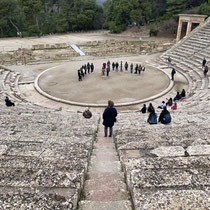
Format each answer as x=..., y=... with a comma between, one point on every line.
x=122, y=87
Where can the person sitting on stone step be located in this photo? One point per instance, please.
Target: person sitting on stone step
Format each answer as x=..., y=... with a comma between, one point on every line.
x=87, y=113
x=165, y=117
x=8, y=102
x=152, y=119
x=183, y=93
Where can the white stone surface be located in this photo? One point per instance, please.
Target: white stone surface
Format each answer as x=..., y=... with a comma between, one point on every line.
x=199, y=150
x=168, y=151
x=3, y=149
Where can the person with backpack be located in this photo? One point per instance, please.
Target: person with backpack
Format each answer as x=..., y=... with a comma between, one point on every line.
x=165, y=116
x=152, y=119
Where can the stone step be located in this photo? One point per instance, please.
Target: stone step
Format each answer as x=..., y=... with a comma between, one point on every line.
x=101, y=190
x=105, y=166
x=104, y=156
x=101, y=205
x=105, y=175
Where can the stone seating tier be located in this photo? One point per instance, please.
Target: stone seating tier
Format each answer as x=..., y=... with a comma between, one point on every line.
x=166, y=161
x=44, y=156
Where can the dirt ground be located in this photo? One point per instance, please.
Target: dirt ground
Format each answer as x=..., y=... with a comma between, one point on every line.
x=7, y=44
x=121, y=87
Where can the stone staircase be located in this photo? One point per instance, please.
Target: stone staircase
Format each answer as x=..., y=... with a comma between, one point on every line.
x=105, y=188
x=187, y=56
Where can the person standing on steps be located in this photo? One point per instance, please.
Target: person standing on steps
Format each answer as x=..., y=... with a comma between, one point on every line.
x=173, y=72
x=109, y=118
x=169, y=62
x=204, y=62
x=206, y=69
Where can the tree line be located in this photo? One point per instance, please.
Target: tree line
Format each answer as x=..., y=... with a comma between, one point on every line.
x=39, y=17
x=121, y=13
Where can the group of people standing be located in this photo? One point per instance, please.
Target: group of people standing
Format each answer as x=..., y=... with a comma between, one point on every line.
x=85, y=69
x=106, y=67
x=205, y=67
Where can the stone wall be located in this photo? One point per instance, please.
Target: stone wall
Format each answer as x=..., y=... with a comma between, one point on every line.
x=49, y=46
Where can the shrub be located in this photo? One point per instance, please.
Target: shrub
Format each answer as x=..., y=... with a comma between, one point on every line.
x=153, y=30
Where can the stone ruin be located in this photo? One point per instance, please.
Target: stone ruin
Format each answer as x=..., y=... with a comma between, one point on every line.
x=45, y=154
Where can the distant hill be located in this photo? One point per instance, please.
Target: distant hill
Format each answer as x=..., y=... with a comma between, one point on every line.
x=100, y=1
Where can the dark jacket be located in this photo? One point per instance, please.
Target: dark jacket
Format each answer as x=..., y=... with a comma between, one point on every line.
x=152, y=119
x=150, y=109
x=109, y=117
x=162, y=115
x=8, y=102
x=144, y=109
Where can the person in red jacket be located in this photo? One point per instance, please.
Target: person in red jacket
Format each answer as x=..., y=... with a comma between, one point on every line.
x=174, y=107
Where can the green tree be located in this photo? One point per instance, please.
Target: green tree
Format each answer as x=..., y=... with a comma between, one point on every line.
x=9, y=17
x=174, y=7
x=32, y=11
x=205, y=8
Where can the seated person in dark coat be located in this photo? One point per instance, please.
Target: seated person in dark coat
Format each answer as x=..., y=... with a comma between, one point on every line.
x=8, y=102
x=165, y=117
x=177, y=97
x=87, y=113
x=109, y=118
x=152, y=119
x=150, y=108
x=183, y=93
x=143, y=109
